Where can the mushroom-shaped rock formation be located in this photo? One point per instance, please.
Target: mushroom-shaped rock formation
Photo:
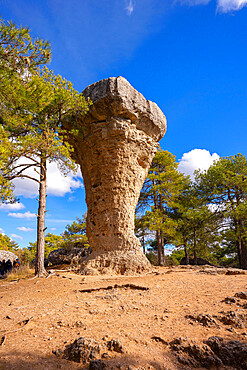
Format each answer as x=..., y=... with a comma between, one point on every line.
x=115, y=149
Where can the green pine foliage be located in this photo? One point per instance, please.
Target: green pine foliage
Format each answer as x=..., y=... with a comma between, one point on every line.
x=204, y=218
x=7, y=244
x=224, y=186
x=34, y=105
x=159, y=197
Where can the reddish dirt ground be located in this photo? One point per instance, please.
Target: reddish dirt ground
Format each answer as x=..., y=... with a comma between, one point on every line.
x=59, y=312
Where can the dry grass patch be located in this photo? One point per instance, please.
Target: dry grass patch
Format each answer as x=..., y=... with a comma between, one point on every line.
x=23, y=272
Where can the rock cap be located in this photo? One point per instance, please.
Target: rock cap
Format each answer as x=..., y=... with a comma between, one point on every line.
x=115, y=97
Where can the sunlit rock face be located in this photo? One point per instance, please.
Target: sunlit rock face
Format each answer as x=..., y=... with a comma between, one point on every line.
x=115, y=150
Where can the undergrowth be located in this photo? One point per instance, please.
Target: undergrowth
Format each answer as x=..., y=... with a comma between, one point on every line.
x=23, y=272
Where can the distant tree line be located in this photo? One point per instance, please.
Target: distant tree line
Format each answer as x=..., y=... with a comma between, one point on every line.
x=74, y=235
x=206, y=217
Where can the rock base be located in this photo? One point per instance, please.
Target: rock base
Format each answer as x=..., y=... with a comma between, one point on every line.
x=118, y=262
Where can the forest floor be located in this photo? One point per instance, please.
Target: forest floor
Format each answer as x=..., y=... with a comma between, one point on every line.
x=40, y=317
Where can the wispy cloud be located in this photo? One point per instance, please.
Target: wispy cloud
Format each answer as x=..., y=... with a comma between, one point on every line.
x=223, y=6
x=2, y=231
x=15, y=236
x=23, y=228
x=12, y=206
x=27, y=214
x=129, y=7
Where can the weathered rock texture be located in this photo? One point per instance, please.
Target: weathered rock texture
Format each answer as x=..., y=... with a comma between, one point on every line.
x=6, y=255
x=68, y=255
x=115, y=150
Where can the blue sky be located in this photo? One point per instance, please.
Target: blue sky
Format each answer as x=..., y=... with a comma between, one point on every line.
x=188, y=56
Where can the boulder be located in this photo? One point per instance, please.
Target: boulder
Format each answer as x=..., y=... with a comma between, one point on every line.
x=232, y=353
x=114, y=145
x=83, y=350
x=7, y=255
x=200, y=261
x=68, y=255
x=46, y=262
x=214, y=353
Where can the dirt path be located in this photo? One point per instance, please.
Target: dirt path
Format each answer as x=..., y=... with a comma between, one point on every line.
x=59, y=311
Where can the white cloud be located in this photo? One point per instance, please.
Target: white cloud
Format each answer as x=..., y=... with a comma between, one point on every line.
x=196, y=159
x=53, y=228
x=2, y=231
x=223, y=6
x=57, y=183
x=12, y=206
x=27, y=214
x=130, y=7
x=23, y=228
x=14, y=236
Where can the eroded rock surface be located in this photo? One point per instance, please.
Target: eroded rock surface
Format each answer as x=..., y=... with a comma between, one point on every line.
x=214, y=353
x=7, y=255
x=83, y=350
x=115, y=150
x=68, y=255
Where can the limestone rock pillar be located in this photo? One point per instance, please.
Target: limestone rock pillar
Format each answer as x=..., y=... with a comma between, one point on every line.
x=115, y=150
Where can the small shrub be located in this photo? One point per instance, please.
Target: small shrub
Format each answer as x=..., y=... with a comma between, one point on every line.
x=170, y=261
x=23, y=272
x=153, y=258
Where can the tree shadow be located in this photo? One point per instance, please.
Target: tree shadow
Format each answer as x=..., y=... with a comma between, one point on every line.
x=14, y=360
x=33, y=361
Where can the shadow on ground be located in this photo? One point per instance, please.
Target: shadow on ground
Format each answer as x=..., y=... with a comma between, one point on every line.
x=26, y=361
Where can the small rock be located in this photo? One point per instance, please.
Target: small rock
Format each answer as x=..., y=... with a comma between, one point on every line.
x=235, y=319
x=230, y=300
x=159, y=339
x=242, y=295
x=115, y=345
x=232, y=271
x=205, y=320
x=83, y=350
x=96, y=365
x=58, y=352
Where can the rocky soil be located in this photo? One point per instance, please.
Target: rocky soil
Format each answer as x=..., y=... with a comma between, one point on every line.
x=171, y=318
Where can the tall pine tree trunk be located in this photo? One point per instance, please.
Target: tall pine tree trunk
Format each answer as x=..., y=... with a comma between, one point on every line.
x=186, y=254
x=40, y=254
x=243, y=245
x=161, y=259
x=195, y=253
x=143, y=244
x=244, y=254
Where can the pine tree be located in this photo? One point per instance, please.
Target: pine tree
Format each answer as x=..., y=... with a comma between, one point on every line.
x=20, y=56
x=36, y=137
x=33, y=104
x=159, y=197
x=224, y=185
